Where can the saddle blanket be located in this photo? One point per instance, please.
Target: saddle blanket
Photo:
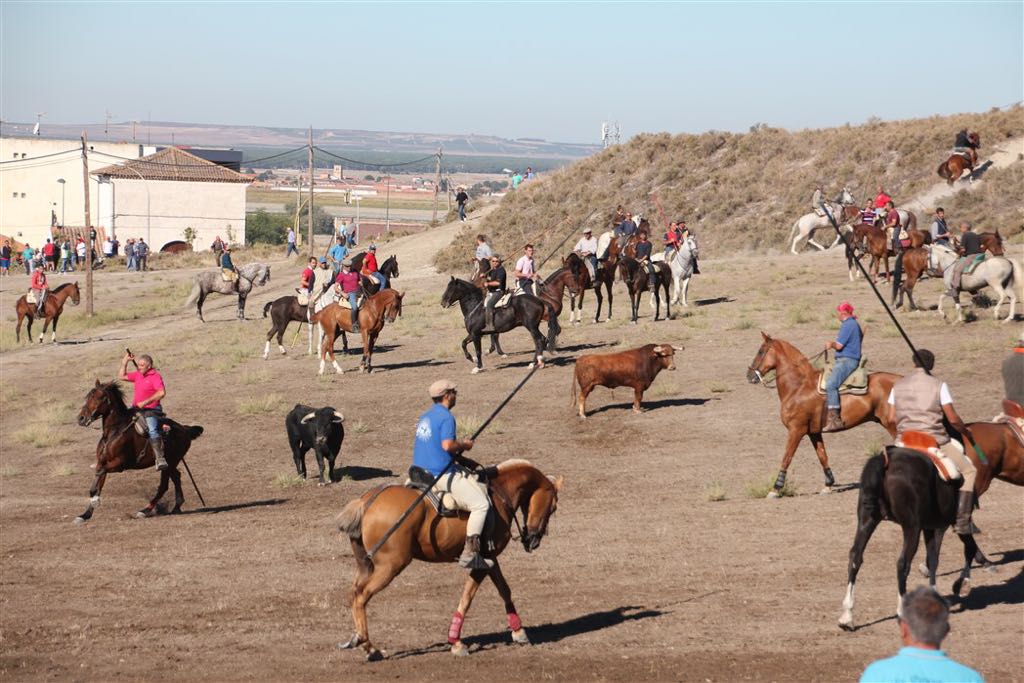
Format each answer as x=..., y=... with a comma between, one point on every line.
x=302, y=297
x=972, y=263
x=228, y=275
x=929, y=447
x=343, y=302
x=31, y=297
x=603, y=242
x=856, y=383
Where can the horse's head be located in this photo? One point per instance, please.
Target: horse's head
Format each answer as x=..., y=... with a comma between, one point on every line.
x=99, y=402
x=846, y=197
x=390, y=267
x=526, y=488
x=975, y=139
x=993, y=242
x=393, y=309
x=452, y=293
x=76, y=296
x=764, y=361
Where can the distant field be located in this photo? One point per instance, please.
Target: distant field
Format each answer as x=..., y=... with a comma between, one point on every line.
x=337, y=199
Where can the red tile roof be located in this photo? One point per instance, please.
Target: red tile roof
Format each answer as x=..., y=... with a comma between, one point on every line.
x=174, y=164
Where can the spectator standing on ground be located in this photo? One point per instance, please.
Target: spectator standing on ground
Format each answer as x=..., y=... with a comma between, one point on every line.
x=291, y=244
x=923, y=626
x=350, y=234
x=129, y=255
x=49, y=255
x=114, y=246
x=461, y=198
x=108, y=248
x=940, y=233
x=27, y=254
x=530, y=175
x=65, y=257
x=142, y=254
x=217, y=247
x=1013, y=373
x=5, y=258
x=80, y=250
x=517, y=178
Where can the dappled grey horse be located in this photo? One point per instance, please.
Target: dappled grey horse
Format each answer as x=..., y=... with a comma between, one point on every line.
x=212, y=281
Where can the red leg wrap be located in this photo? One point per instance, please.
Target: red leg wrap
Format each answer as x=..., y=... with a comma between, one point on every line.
x=455, y=630
x=513, y=621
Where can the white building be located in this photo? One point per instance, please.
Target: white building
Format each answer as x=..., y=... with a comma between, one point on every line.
x=170, y=197
x=41, y=182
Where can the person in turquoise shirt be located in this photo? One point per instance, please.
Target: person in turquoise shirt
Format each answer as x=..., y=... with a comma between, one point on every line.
x=924, y=623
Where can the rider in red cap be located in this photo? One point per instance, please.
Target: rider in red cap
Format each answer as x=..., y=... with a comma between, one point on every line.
x=847, y=347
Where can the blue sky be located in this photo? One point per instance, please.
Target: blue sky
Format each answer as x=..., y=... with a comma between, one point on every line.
x=511, y=69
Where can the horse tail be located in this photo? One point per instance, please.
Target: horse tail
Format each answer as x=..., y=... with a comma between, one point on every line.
x=266, y=308
x=943, y=170
x=193, y=296
x=350, y=521
x=572, y=391
x=793, y=230
x=1017, y=277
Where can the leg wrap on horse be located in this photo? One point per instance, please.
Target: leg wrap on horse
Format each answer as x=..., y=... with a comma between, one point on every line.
x=455, y=629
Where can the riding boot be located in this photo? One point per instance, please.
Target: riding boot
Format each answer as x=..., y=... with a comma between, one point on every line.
x=834, y=423
x=964, y=508
x=488, y=320
x=158, y=453
x=355, y=324
x=471, y=558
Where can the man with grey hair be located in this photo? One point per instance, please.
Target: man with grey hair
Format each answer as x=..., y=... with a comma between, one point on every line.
x=924, y=623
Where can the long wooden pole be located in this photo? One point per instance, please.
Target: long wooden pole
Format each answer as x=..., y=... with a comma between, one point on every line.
x=88, y=229
x=310, y=216
x=437, y=184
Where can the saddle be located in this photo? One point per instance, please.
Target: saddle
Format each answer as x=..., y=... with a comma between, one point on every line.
x=926, y=445
x=1013, y=417
x=31, y=297
x=972, y=263
x=228, y=275
x=343, y=302
x=856, y=384
x=444, y=503
x=301, y=298
x=140, y=424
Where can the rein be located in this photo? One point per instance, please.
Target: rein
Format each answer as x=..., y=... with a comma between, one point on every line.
x=765, y=378
x=511, y=511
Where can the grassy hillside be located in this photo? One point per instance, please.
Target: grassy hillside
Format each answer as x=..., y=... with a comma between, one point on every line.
x=740, y=191
x=997, y=203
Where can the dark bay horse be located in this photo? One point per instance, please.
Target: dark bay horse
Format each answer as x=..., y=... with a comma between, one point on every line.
x=802, y=407
x=284, y=310
x=952, y=168
x=52, y=308
x=522, y=311
x=638, y=281
x=902, y=485
x=915, y=265
x=382, y=307
x=122, y=448
x=211, y=281
x=551, y=291
x=604, y=276
x=518, y=487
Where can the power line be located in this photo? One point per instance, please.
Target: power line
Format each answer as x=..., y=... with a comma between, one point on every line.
x=42, y=156
x=244, y=162
x=369, y=164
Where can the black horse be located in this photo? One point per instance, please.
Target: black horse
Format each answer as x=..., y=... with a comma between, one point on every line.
x=283, y=311
x=523, y=311
x=901, y=485
x=638, y=281
x=388, y=269
x=603, y=276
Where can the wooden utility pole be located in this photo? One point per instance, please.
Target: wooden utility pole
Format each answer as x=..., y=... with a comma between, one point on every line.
x=88, y=229
x=310, y=229
x=437, y=184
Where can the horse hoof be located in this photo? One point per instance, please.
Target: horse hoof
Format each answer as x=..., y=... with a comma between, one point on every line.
x=962, y=588
x=476, y=371
x=825, y=491
x=504, y=355
x=459, y=649
x=923, y=568
x=374, y=655
x=846, y=626
x=353, y=642
x=144, y=513
x=80, y=520
x=773, y=494
x=520, y=637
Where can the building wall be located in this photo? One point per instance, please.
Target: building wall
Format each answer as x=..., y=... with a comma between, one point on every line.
x=27, y=218
x=160, y=210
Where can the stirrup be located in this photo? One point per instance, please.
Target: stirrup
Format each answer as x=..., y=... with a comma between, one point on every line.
x=475, y=561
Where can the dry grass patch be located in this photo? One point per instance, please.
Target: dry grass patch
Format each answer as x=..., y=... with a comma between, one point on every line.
x=259, y=405
x=761, y=488
x=714, y=492
x=63, y=471
x=287, y=481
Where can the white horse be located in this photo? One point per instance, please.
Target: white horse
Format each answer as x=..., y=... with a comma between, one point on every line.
x=1002, y=274
x=806, y=225
x=682, y=268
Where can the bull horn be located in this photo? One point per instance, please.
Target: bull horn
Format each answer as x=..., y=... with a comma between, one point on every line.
x=678, y=348
x=307, y=418
x=339, y=416
x=657, y=350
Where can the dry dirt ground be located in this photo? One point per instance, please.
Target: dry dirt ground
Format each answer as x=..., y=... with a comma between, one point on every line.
x=644, y=575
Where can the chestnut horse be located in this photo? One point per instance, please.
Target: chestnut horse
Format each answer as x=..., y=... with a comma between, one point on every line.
x=518, y=486
x=803, y=407
x=915, y=264
x=906, y=489
x=382, y=306
x=952, y=168
x=874, y=241
x=122, y=448
x=52, y=308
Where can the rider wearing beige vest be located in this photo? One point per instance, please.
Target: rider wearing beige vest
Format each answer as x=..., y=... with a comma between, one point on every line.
x=918, y=402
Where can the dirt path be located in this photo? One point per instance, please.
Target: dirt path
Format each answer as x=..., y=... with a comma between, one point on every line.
x=659, y=564
x=1005, y=154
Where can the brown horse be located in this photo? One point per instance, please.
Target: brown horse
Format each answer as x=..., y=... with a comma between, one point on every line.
x=873, y=241
x=518, y=486
x=122, y=448
x=604, y=276
x=952, y=168
x=803, y=407
x=376, y=309
x=52, y=308
x=915, y=265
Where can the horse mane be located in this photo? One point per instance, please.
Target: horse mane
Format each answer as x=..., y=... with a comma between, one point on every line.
x=793, y=353
x=554, y=275
x=60, y=287
x=115, y=391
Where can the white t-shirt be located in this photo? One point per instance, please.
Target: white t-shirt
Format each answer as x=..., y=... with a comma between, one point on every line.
x=586, y=245
x=945, y=398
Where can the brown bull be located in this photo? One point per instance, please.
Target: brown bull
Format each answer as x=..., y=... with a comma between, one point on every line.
x=635, y=368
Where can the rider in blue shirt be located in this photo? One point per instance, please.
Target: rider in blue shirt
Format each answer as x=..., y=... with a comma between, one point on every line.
x=437, y=450
x=338, y=253
x=847, y=347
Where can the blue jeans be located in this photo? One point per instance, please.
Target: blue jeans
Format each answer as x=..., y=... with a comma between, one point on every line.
x=153, y=424
x=352, y=299
x=291, y=250
x=381, y=280
x=462, y=212
x=842, y=369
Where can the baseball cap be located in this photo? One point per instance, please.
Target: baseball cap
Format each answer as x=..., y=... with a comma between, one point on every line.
x=438, y=388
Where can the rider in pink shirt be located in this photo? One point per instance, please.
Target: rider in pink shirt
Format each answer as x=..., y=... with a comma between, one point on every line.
x=149, y=389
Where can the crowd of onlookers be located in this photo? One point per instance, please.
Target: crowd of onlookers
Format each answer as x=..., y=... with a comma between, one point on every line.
x=64, y=255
